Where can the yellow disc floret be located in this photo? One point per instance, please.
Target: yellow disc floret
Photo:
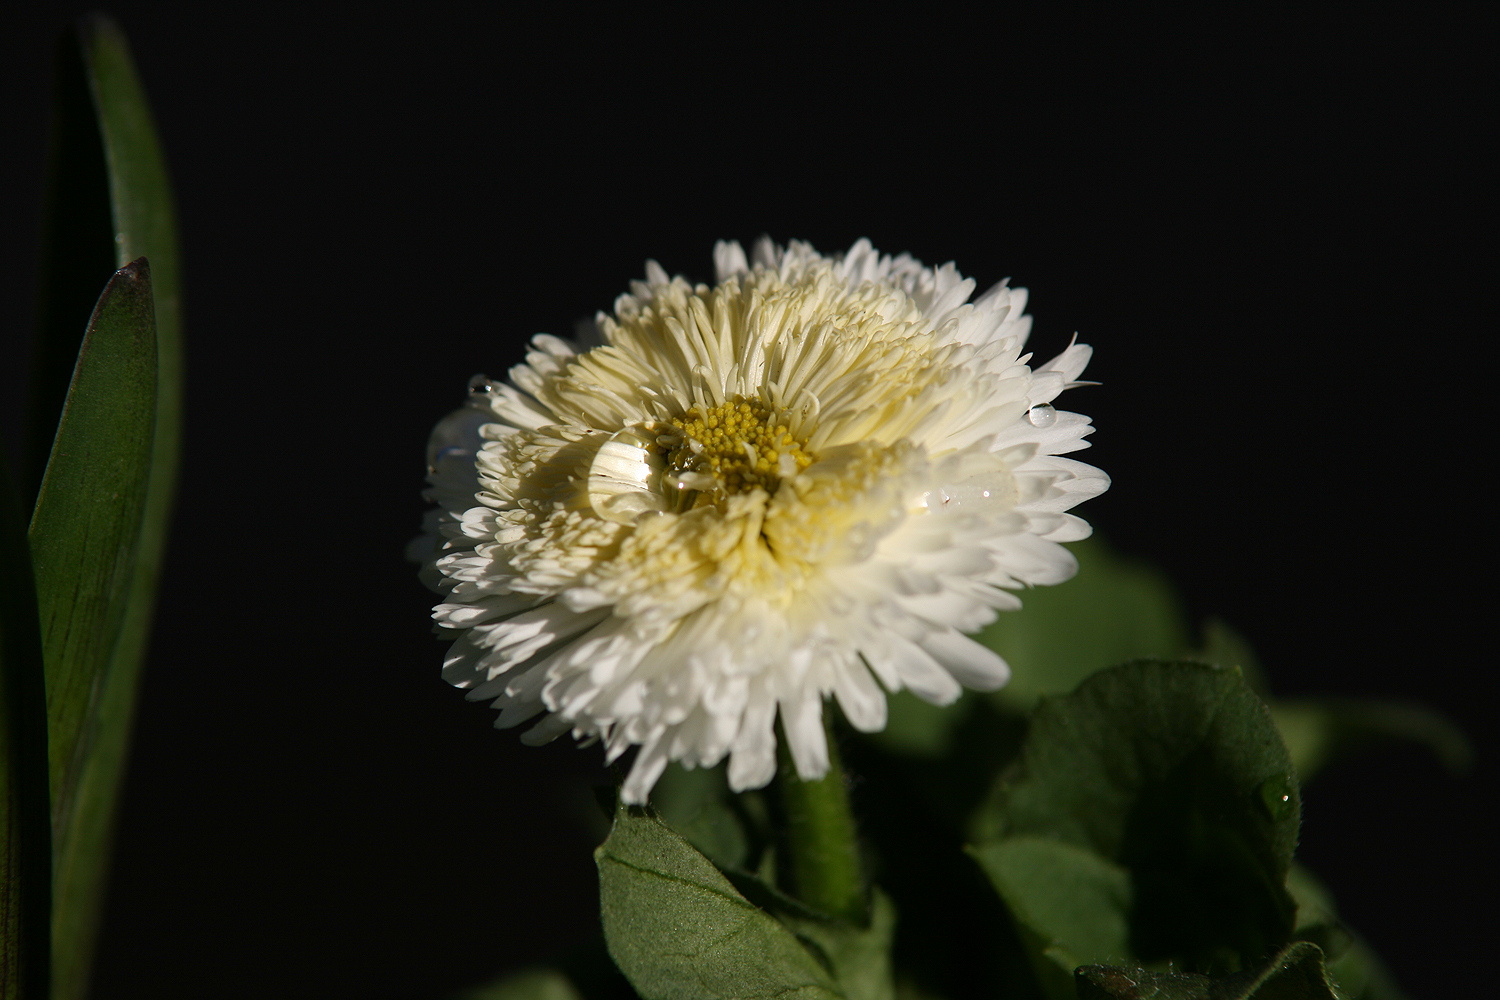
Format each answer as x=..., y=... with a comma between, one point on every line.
x=740, y=444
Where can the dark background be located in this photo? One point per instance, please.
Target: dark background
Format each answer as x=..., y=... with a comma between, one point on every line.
x=1269, y=228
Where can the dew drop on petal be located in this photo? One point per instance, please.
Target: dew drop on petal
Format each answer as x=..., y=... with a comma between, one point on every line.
x=1278, y=796
x=480, y=385
x=1042, y=415
x=625, y=478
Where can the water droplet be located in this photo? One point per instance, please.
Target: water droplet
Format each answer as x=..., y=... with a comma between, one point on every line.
x=1279, y=795
x=625, y=479
x=1042, y=415
x=480, y=385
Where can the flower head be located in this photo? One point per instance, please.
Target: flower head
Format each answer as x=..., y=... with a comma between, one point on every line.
x=809, y=479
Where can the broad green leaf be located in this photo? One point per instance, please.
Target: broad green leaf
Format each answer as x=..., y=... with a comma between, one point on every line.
x=1112, y=611
x=25, y=827
x=1071, y=905
x=1318, y=731
x=99, y=89
x=1175, y=773
x=679, y=930
x=528, y=984
x=1294, y=973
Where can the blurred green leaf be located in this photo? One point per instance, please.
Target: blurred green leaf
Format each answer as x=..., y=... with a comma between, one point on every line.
x=528, y=984
x=860, y=957
x=105, y=135
x=25, y=827
x=917, y=728
x=1295, y=973
x=954, y=932
x=1175, y=773
x=1114, y=610
x=1352, y=965
x=909, y=989
x=584, y=968
x=679, y=930
x=1319, y=731
x=697, y=803
x=1224, y=646
x=1071, y=905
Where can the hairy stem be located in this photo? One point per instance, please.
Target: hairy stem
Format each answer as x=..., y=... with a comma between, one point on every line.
x=821, y=850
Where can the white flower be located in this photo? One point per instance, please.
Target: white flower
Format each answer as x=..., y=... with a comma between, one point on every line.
x=809, y=479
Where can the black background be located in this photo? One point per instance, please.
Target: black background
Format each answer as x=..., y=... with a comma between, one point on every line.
x=1268, y=227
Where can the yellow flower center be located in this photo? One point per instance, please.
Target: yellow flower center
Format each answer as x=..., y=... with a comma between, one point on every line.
x=738, y=444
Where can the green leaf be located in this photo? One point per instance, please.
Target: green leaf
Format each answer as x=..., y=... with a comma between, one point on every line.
x=88, y=517
x=1319, y=731
x=1071, y=905
x=1295, y=973
x=679, y=930
x=1175, y=773
x=528, y=984
x=107, y=156
x=25, y=827
x=83, y=541
x=1114, y=610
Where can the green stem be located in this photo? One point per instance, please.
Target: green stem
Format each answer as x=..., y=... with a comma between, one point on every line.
x=821, y=849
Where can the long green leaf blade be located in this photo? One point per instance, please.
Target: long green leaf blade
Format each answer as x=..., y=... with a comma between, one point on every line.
x=88, y=515
x=83, y=540
x=142, y=223
x=25, y=833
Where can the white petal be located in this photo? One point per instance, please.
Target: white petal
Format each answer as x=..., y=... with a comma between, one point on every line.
x=971, y=664
x=802, y=721
x=861, y=698
x=918, y=671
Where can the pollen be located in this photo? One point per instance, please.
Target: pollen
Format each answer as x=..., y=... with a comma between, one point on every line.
x=740, y=444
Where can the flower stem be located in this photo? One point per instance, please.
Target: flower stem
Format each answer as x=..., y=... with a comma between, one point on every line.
x=821, y=850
